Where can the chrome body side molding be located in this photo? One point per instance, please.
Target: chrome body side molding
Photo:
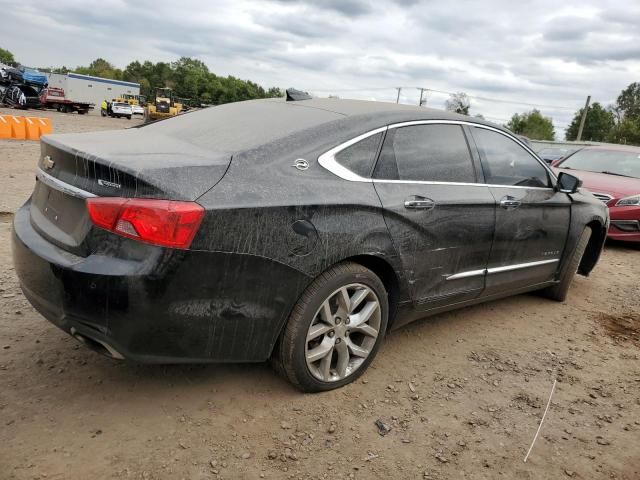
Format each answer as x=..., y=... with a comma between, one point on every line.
x=505, y=268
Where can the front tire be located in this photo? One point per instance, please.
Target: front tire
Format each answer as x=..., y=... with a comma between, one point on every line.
x=334, y=330
x=560, y=290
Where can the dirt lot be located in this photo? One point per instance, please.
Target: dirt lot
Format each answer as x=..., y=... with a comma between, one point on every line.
x=462, y=392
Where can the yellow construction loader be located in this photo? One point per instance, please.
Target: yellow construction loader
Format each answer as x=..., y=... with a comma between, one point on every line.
x=162, y=105
x=133, y=99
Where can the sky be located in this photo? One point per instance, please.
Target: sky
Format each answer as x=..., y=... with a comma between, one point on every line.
x=546, y=53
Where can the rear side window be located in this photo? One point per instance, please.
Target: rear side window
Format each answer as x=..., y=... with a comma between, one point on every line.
x=359, y=157
x=506, y=163
x=436, y=153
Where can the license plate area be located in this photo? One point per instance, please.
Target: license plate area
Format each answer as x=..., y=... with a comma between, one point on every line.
x=59, y=217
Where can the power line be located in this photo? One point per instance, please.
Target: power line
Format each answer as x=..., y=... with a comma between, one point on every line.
x=486, y=99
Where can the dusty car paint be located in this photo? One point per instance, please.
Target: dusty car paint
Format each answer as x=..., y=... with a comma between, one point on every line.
x=270, y=229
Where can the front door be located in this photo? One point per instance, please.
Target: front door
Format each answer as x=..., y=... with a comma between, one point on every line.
x=532, y=218
x=440, y=219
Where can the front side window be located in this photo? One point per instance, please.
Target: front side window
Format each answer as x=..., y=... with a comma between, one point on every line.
x=436, y=153
x=359, y=157
x=506, y=163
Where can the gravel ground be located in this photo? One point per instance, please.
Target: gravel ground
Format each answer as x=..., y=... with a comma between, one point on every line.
x=461, y=393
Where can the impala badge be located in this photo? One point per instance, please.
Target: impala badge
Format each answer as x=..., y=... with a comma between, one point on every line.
x=104, y=183
x=48, y=163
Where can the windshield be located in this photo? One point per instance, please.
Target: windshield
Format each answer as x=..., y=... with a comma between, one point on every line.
x=559, y=152
x=605, y=161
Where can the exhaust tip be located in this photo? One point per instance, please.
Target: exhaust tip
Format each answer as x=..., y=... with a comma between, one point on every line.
x=97, y=345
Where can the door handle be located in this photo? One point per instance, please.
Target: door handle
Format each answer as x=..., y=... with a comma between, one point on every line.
x=509, y=202
x=417, y=202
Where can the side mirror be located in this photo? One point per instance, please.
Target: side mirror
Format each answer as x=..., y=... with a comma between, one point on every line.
x=568, y=183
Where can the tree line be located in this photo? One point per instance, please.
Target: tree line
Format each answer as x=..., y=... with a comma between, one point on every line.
x=617, y=123
x=188, y=77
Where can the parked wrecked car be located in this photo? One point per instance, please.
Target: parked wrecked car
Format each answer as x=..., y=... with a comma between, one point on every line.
x=297, y=231
x=21, y=96
x=5, y=77
x=612, y=174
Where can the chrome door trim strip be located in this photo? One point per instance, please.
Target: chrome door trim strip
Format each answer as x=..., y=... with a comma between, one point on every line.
x=518, y=266
x=328, y=161
x=61, y=186
x=506, y=268
x=470, y=273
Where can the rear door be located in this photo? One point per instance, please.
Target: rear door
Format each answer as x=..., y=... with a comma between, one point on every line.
x=532, y=218
x=440, y=219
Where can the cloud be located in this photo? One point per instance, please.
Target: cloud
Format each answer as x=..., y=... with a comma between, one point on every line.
x=350, y=8
x=541, y=52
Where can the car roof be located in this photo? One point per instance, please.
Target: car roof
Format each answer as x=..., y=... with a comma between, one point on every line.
x=224, y=127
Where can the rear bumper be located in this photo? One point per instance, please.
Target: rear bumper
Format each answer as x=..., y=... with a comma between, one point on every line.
x=157, y=305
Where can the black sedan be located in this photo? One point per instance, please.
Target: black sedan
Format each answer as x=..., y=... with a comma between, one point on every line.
x=297, y=231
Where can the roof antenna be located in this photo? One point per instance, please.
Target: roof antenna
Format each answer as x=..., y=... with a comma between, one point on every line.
x=294, y=95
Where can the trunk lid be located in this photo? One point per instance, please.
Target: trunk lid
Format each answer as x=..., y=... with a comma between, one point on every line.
x=130, y=163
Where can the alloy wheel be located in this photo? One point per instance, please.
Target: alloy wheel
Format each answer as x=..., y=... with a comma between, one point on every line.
x=343, y=332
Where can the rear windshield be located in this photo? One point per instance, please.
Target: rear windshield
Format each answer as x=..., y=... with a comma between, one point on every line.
x=243, y=125
x=605, y=161
x=121, y=104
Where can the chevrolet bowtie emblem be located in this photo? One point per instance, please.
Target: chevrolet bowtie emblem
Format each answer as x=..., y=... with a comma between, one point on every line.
x=48, y=163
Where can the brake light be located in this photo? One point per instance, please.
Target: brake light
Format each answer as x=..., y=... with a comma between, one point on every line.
x=166, y=223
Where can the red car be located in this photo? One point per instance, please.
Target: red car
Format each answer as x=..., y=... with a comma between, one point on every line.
x=612, y=174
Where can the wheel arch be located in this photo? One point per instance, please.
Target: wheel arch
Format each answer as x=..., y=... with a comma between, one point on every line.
x=594, y=247
x=389, y=277
x=378, y=265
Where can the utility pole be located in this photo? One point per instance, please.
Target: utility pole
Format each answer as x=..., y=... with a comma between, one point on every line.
x=584, y=117
x=398, y=97
x=421, y=92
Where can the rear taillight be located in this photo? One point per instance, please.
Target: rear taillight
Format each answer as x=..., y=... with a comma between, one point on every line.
x=161, y=222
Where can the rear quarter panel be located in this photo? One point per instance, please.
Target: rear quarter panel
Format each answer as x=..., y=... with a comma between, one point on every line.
x=307, y=220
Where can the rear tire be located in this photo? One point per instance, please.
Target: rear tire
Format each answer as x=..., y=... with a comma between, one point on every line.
x=559, y=291
x=344, y=313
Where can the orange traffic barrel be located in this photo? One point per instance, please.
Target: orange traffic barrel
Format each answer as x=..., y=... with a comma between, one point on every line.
x=18, y=127
x=5, y=127
x=24, y=128
x=44, y=125
x=32, y=128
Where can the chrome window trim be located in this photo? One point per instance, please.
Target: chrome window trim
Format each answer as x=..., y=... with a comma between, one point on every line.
x=328, y=161
x=505, y=268
x=61, y=186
